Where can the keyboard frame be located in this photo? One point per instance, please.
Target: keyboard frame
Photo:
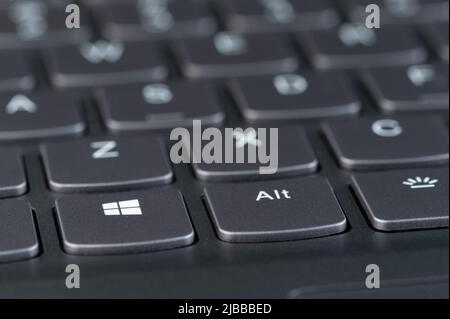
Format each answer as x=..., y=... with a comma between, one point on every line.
x=413, y=264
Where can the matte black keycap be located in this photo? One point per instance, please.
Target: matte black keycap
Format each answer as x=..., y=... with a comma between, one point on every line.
x=294, y=96
x=276, y=15
x=231, y=54
x=100, y=3
x=275, y=211
x=131, y=20
x=437, y=35
x=37, y=24
x=109, y=163
x=122, y=223
x=399, y=11
x=12, y=175
x=285, y=154
x=413, y=88
x=6, y=3
x=159, y=105
x=18, y=237
x=16, y=71
x=388, y=142
x=356, y=46
x=105, y=63
x=405, y=199
x=39, y=115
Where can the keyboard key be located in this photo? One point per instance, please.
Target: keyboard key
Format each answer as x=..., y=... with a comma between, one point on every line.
x=122, y=223
x=294, y=96
x=415, y=88
x=100, y=3
x=18, y=237
x=438, y=35
x=404, y=200
x=230, y=54
x=15, y=72
x=12, y=181
x=103, y=164
x=105, y=63
x=356, y=46
x=37, y=24
x=159, y=106
x=388, y=142
x=294, y=157
x=6, y=3
x=275, y=210
x=39, y=115
x=277, y=15
x=399, y=11
x=142, y=20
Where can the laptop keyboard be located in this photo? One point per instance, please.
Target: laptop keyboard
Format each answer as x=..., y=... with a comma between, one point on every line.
x=89, y=112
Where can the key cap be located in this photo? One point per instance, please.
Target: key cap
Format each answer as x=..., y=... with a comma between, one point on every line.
x=105, y=63
x=141, y=20
x=438, y=35
x=15, y=71
x=159, y=106
x=6, y=3
x=388, y=142
x=294, y=96
x=230, y=54
x=37, y=24
x=405, y=199
x=275, y=210
x=18, y=237
x=39, y=115
x=123, y=223
x=289, y=154
x=277, y=15
x=12, y=181
x=356, y=46
x=414, y=88
x=104, y=164
x=94, y=3
x=399, y=11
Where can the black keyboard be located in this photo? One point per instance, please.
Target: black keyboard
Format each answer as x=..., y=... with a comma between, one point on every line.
x=86, y=176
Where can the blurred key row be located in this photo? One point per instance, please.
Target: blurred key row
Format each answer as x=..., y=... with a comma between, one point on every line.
x=106, y=62
x=33, y=23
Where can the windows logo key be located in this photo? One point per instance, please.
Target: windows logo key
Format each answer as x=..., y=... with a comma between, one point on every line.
x=125, y=208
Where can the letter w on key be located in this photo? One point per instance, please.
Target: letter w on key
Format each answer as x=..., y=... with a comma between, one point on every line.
x=104, y=149
x=101, y=51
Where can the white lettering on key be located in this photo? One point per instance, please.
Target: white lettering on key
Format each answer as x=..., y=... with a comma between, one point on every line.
x=275, y=195
x=20, y=103
x=102, y=51
x=30, y=18
x=105, y=149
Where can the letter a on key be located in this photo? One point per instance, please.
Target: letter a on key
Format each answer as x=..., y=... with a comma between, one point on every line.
x=263, y=195
x=20, y=103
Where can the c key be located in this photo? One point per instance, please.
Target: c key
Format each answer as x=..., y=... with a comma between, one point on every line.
x=388, y=142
